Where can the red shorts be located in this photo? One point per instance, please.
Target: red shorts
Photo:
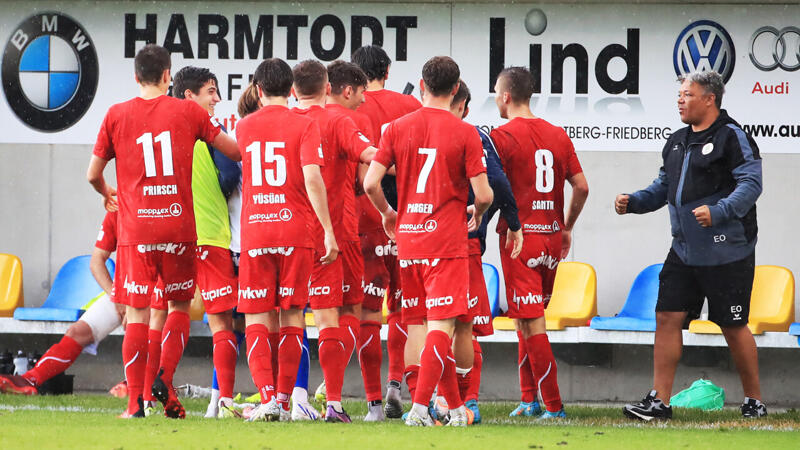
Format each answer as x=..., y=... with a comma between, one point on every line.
x=216, y=279
x=395, y=294
x=141, y=266
x=432, y=290
x=158, y=301
x=352, y=273
x=274, y=277
x=529, y=278
x=479, y=307
x=376, y=276
x=325, y=286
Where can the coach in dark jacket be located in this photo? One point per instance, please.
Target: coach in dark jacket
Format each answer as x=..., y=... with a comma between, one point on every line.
x=710, y=180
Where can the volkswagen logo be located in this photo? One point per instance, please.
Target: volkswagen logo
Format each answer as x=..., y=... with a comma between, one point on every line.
x=776, y=48
x=703, y=46
x=50, y=71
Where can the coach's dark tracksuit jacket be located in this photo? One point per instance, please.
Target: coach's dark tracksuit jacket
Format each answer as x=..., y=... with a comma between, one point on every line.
x=719, y=167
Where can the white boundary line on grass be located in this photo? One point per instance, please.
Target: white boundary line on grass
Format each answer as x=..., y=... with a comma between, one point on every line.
x=77, y=409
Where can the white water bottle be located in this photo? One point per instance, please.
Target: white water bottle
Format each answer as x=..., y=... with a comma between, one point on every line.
x=20, y=363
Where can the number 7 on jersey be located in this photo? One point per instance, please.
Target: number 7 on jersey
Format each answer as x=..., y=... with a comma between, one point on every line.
x=427, y=166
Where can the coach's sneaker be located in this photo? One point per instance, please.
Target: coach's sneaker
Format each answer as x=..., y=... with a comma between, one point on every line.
x=302, y=410
x=526, y=409
x=320, y=395
x=752, y=408
x=17, y=384
x=375, y=412
x=548, y=415
x=472, y=405
x=266, y=412
x=226, y=409
x=393, y=408
x=332, y=415
x=458, y=417
x=648, y=409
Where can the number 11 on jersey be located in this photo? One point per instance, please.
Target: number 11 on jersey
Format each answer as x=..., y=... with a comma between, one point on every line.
x=165, y=142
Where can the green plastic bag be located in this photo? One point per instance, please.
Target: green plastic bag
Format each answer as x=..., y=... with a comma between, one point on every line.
x=702, y=394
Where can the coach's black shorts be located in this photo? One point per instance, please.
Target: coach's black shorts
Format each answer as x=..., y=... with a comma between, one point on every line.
x=727, y=287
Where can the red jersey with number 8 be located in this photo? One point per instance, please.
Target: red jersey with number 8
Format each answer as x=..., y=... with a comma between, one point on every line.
x=275, y=144
x=435, y=154
x=153, y=142
x=537, y=158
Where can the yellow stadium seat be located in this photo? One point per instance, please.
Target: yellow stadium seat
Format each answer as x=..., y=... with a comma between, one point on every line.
x=771, y=303
x=503, y=324
x=11, y=293
x=310, y=319
x=574, y=300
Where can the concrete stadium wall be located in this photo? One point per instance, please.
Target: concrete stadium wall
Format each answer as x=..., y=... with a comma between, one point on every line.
x=49, y=213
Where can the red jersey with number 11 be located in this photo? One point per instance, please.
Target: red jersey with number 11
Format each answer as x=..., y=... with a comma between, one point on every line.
x=435, y=154
x=275, y=144
x=153, y=142
x=537, y=158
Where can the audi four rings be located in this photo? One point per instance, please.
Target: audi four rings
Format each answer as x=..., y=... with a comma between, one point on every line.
x=780, y=49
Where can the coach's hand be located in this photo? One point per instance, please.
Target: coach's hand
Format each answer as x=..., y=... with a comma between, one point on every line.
x=621, y=204
x=331, y=249
x=566, y=243
x=703, y=215
x=110, y=199
x=389, y=218
x=514, y=238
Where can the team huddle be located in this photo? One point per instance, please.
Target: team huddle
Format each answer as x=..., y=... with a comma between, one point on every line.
x=355, y=197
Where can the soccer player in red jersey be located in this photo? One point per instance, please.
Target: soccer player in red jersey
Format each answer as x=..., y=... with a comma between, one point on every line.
x=283, y=196
x=361, y=315
x=538, y=158
x=437, y=157
x=381, y=269
x=152, y=137
x=342, y=145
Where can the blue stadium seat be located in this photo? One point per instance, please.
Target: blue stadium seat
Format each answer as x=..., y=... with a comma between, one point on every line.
x=794, y=330
x=639, y=311
x=73, y=291
x=492, y=278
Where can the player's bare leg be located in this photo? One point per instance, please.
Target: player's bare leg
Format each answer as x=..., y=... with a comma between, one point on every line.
x=545, y=371
x=667, y=351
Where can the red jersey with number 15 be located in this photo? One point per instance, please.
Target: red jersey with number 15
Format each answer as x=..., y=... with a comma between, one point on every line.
x=537, y=158
x=275, y=145
x=435, y=155
x=153, y=142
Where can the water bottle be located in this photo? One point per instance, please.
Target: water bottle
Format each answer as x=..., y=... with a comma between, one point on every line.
x=20, y=363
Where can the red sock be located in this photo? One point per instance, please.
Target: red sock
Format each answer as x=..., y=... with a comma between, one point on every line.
x=464, y=381
x=274, y=339
x=449, y=383
x=259, y=359
x=332, y=359
x=290, y=350
x=134, y=360
x=432, y=365
x=153, y=361
x=527, y=384
x=351, y=328
x=370, y=355
x=174, y=337
x=395, y=346
x=225, y=361
x=57, y=359
x=411, y=376
x=475, y=374
x=544, y=367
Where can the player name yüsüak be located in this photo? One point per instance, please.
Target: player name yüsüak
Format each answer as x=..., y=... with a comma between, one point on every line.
x=543, y=205
x=268, y=199
x=212, y=295
x=423, y=208
x=163, y=189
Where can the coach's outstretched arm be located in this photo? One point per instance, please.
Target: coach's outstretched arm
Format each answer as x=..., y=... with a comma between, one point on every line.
x=95, y=177
x=315, y=187
x=647, y=200
x=372, y=186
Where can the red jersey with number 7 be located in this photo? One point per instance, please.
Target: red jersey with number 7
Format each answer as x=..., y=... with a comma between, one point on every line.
x=537, y=157
x=275, y=144
x=435, y=155
x=153, y=142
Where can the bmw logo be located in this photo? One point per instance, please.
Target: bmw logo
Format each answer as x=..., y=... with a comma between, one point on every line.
x=702, y=46
x=50, y=71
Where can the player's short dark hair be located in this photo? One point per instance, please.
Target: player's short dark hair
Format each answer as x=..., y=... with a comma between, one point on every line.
x=373, y=60
x=150, y=63
x=440, y=75
x=518, y=82
x=310, y=77
x=274, y=77
x=342, y=74
x=249, y=101
x=462, y=94
x=191, y=78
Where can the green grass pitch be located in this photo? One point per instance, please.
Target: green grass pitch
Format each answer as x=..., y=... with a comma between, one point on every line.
x=88, y=421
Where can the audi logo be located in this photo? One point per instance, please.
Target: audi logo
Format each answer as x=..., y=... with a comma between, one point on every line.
x=780, y=45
